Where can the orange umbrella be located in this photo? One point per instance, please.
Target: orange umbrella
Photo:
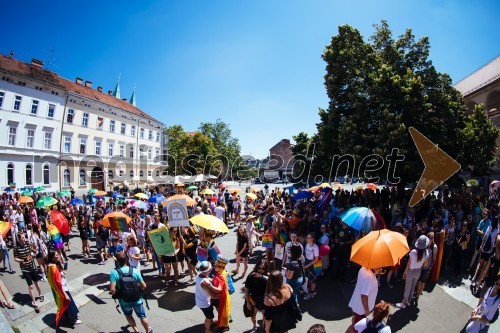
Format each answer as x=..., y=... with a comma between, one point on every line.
x=100, y=193
x=4, y=228
x=189, y=201
x=116, y=215
x=25, y=199
x=338, y=185
x=371, y=186
x=255, y=189
x=235, y=190
x=314, y=189
x=381, y=248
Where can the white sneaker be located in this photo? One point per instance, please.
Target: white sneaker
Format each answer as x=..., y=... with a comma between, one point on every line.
x=401, y=305
x=44, y=279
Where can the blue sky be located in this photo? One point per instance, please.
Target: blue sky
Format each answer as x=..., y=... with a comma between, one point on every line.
x=255, y=64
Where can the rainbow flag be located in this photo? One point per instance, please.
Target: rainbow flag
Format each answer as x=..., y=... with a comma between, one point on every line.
x=284, y=238
x=118, y=224
x=4, y=228
x=318, y=267
x=55, y=281
x=202, y=254
x=213, y=252
x=55, y=235
x=267, y=241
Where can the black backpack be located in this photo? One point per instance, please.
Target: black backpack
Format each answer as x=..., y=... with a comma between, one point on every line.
x=370, y=329
x=128, y=288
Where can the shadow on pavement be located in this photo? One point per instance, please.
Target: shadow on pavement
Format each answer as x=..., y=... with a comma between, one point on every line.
x=178, y=301
x=100, y=280
x=195, y=328
x=22, y=299
x=399, y=319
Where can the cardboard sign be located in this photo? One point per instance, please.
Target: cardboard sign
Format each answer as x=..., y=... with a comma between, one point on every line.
x=177, y=213
x=160, y=239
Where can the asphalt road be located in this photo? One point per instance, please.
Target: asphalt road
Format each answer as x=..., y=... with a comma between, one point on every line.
x=173, y=309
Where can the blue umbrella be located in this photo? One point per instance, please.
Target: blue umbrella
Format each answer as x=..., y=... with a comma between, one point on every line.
x=9, y=189
x=303, y=195
x=76, y=201
x=359, y=218
x=117, y=196
x=156, y=199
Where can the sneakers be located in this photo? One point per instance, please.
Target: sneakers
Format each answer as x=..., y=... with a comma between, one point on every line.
x=401, y=305
x=102, y=263
x=150, y=330
x=44, y=278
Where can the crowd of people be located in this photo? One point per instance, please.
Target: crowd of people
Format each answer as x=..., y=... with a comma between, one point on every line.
x=303, y=240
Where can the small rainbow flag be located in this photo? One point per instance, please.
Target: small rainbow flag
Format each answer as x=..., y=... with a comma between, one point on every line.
x=118, y=224
x=202, y=254
x=55, y=281
x=284, y=238
x=267, y=241
x=55, y=235
x=318, y=267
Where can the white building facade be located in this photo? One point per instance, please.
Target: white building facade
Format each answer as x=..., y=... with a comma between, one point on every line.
x=87, y=138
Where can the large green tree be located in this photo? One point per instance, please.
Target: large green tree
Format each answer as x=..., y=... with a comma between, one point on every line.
x=178, y=142
x=480, y=135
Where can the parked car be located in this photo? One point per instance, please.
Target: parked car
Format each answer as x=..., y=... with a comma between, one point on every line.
x=257, y=181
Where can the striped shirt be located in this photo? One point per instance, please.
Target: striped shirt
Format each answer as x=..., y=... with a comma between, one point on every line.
x=24, y=252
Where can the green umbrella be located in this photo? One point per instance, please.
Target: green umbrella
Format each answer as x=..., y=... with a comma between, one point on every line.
x=192, y=187
x=64, y=193
x=28, y=193
x=39, y=189
x=93, y=191
x=46, y=201
x=120, y=201
x=472, y=182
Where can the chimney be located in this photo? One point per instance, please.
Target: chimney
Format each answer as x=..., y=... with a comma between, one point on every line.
x=99, y=89
x=79, y=80
x=124, y=99
x=88, y=84
x=109, y=92
x=37, y=63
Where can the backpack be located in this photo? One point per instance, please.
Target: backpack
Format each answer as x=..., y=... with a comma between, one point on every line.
x=370, y=329
x=128, y=288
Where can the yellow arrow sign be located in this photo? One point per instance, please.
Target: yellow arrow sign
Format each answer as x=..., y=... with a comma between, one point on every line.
x=439, y=166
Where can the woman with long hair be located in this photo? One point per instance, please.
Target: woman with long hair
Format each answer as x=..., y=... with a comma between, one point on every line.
x=241, y=251
x=170, y=260
x=188, y=238
x=134, y=253
x=418, y=259
x=380, y=314
x=40, y=250
x=255, y=289
x=56, y=277
x=278, y=305
x=311, y=251
x=295, y=270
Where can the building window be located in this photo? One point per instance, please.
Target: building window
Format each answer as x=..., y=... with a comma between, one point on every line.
x=10, y=173
x=46, y=175
x=34, y=107
x=150, y=173
x=83, y=146
x=122, y=150
x=150, y=154
x=29, y=174
x=131, y=152
x=157, y=152
x=123, y=128
x=157, y=173
x=70, y=116
x=150, y=135
x=2, y=94
x=82, y=177
x=98, y=147
x=47, y=144
x=17, y=103
x=157, y=136
x=67, y=144
x=12, y=136
x=110, y=149
x=131, y=173
x=112, y=126
x=30, y=135
x=141, y=174
x=110, y=174
x=66, y=178
x=52, y=109
x=100, y=123
x=141, y=135
x=132, y=129
x=85, y=119
x=121, y=173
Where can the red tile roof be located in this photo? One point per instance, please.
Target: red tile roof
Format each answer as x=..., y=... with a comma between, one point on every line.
x=8, y=64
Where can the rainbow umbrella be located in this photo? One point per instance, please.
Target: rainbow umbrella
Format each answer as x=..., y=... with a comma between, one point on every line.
x=46, y=201
x=4, y=228
x=140, y=204
x=117, y=216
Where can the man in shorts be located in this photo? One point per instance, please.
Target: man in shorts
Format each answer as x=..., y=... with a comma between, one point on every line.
x=128, y=307
x=24, y=256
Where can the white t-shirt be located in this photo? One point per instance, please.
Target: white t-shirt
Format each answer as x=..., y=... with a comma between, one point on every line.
x=417, y=264
x=134, y=250
x=367, y=285
x=311, y=251
x=140, y=223
x=361, y=325
x=219, y=212
x=201, y=296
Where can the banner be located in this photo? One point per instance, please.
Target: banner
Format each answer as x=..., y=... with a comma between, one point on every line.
x=177, y=213
x=160, y=239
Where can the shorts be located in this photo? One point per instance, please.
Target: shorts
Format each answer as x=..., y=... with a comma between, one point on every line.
x=191, y=258
x=141, y=241
x=30, y=277
x=208, y=312
x=424, y=275
x=100, y=244
x=65, y=239
x=485, y=256
x=137, y=308
x=169, y=259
